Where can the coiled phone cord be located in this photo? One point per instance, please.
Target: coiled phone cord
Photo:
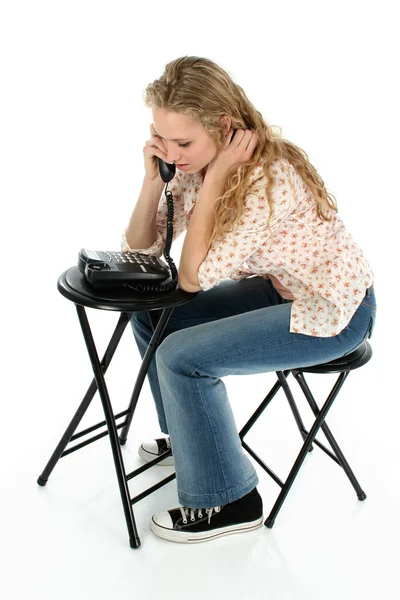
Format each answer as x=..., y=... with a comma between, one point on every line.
x=173, y=279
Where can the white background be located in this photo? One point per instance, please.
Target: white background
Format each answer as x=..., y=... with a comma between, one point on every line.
x=72, y=128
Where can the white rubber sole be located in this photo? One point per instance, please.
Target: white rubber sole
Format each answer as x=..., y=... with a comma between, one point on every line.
x=185, y=537
x=148, y=456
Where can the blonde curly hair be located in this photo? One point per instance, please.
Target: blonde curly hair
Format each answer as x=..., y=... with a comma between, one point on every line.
x=201, y=90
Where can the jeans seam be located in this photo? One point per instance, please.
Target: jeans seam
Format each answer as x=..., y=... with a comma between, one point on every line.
x=368, y=305
x=210, y=425
x=271, y=348
x=212, y=429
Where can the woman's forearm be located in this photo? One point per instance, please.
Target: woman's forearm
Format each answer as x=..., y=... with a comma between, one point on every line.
x=199, y=231
x=142, y=229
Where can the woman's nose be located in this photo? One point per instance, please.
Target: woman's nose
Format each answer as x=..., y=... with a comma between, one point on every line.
x=173, y=155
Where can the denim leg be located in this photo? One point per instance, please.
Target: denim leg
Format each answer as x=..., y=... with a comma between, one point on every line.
x=211, y=466
x=142, y=332
x=229, y=298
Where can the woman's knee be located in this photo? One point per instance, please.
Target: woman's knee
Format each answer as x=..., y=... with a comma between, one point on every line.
x=173, y=351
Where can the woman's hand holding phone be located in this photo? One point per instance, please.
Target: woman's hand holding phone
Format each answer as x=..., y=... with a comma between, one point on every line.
x=154, y=147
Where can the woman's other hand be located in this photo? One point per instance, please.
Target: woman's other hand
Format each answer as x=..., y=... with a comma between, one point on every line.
x=236, y=151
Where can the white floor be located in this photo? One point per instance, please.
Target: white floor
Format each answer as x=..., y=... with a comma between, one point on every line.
x=69, y=540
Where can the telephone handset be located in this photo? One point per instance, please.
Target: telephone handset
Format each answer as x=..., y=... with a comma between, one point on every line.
x=140, y=272
x=167, y=170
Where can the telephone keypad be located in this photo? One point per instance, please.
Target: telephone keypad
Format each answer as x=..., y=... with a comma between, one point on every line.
x=126, y=258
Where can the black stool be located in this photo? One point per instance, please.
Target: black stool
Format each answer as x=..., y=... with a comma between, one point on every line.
x=73, y=286
x=343, y=366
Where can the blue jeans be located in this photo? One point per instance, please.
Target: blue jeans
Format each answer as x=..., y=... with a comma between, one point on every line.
x=236, y=328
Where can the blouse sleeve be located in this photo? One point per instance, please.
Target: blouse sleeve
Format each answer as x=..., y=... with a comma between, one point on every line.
x=179, y=223
x=227, y=256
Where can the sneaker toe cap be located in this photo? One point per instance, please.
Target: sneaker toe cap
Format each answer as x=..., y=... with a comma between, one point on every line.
x=150, y=446
x=162, y=520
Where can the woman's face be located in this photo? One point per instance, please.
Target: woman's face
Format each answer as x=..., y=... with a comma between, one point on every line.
x=186, y=142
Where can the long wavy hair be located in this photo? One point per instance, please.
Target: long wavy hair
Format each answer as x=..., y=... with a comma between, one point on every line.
x=201, y=90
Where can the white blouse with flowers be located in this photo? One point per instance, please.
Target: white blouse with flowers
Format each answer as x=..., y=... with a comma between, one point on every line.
x=314, y=262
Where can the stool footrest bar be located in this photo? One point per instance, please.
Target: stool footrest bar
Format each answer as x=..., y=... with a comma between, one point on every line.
x=153, y=488
x=89, y=441
x=148, y=465
x=325, y=449
x=97, y=426
x=263, y=465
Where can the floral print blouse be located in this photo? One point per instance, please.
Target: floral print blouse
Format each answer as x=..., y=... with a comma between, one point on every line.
x=314, y=262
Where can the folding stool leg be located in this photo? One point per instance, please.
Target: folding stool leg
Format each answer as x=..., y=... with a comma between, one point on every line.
x=112, y=429
x=245, y=429
x=288, y=393
x=361, y=495
x=277, y=386
x=66, y=438
x=269, y=522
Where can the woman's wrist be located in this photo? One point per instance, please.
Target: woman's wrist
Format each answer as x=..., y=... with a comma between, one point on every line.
x=215, y=177
x=157, y=182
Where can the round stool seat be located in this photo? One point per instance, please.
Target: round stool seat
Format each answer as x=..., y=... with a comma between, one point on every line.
x=73, y=285
x=355, y=359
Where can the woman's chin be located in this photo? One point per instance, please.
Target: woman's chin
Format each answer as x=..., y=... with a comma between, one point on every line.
x=196, y=171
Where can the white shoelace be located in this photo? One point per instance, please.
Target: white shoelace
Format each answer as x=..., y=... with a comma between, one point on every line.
x=185, y=512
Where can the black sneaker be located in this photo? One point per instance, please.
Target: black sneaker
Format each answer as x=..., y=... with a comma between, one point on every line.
x=150, y=450
x=189, y=525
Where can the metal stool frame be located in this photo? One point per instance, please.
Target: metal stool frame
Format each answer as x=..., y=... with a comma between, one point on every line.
x=72, y=286
x=343, y=366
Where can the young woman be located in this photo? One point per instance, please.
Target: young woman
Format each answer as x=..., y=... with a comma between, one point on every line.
x=281, y=283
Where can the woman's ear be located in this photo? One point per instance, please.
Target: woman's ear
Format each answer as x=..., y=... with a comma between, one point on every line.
x=227, y=123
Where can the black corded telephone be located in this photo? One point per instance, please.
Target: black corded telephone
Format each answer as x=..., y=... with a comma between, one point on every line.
x=142, y=273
